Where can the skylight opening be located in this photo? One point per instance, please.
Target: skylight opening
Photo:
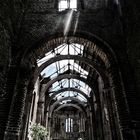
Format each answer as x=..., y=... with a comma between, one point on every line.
x=70, y=94
x=58, y=84
x=66, y=101
x=71, y=83
x=73, y=4
x=81, y=98
x=82, y=86
x=63, y=49
x=67, y=4
x=62, y=66
x=44, y=59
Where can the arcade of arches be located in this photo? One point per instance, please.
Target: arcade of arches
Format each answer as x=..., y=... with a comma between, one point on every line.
x=67, y=65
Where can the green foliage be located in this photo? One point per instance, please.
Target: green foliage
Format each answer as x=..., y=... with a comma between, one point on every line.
x=38, y=132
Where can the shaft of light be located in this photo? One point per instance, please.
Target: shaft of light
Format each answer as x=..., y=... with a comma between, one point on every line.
x=76, y=23
x=68, y=23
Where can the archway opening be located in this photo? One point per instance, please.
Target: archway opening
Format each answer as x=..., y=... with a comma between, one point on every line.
x=72, y=100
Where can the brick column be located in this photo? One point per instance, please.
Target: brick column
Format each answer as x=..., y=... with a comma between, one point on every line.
x=5, y=101
x=25, y=121
x=121, y=105
x=112, y=114
x=41, y=103
x=17, y=107
x=94, y=124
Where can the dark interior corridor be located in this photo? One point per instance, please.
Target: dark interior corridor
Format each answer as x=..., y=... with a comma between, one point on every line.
x=71, y=67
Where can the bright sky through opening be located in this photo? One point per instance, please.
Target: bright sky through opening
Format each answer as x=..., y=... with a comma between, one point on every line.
x=67, y=4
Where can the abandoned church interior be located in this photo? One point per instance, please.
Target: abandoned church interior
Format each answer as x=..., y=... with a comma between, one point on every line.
x=70, y=67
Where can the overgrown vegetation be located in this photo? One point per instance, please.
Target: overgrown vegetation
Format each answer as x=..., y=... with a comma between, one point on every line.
x=38, y=132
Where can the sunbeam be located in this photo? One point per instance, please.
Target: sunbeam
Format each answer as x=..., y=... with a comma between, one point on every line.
x=68, y=22
x=76, y=23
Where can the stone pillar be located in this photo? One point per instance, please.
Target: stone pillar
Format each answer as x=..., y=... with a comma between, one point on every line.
x=49, y=128
x=99, y=114
x=27, y=109
x=94, y=129
x=115, y=135
x=121, y=106
x=17, y=107
x=92, y=125
x=46, y=115
x=40, y=110
x=99, y=122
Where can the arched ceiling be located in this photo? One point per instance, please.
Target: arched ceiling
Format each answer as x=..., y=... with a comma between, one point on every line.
x=70, y=105
x=66, y=100
x=69, y=78
x=58, y=92
x=70, y=69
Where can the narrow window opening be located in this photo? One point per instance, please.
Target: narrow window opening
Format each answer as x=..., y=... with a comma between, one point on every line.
x=69, y=125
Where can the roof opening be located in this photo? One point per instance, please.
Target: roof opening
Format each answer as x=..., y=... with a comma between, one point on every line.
x=67, y=4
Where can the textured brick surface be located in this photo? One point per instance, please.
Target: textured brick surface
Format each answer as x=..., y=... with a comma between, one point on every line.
x=24, y=24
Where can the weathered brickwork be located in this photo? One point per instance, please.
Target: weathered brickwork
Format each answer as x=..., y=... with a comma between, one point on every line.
x=25, y=25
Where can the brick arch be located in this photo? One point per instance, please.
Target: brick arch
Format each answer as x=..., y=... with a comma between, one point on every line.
x=38, y=46
x=67, y=76
x=66, y=105
x=52, y=108
x=63, y=90
x=104, y=51
x=43, y=46
x=67, y=89
x=90, y=63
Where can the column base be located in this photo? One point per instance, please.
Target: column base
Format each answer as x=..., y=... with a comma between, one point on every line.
x=11, y=136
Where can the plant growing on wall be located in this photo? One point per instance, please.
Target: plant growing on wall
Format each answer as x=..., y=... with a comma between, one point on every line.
x=38, y=132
